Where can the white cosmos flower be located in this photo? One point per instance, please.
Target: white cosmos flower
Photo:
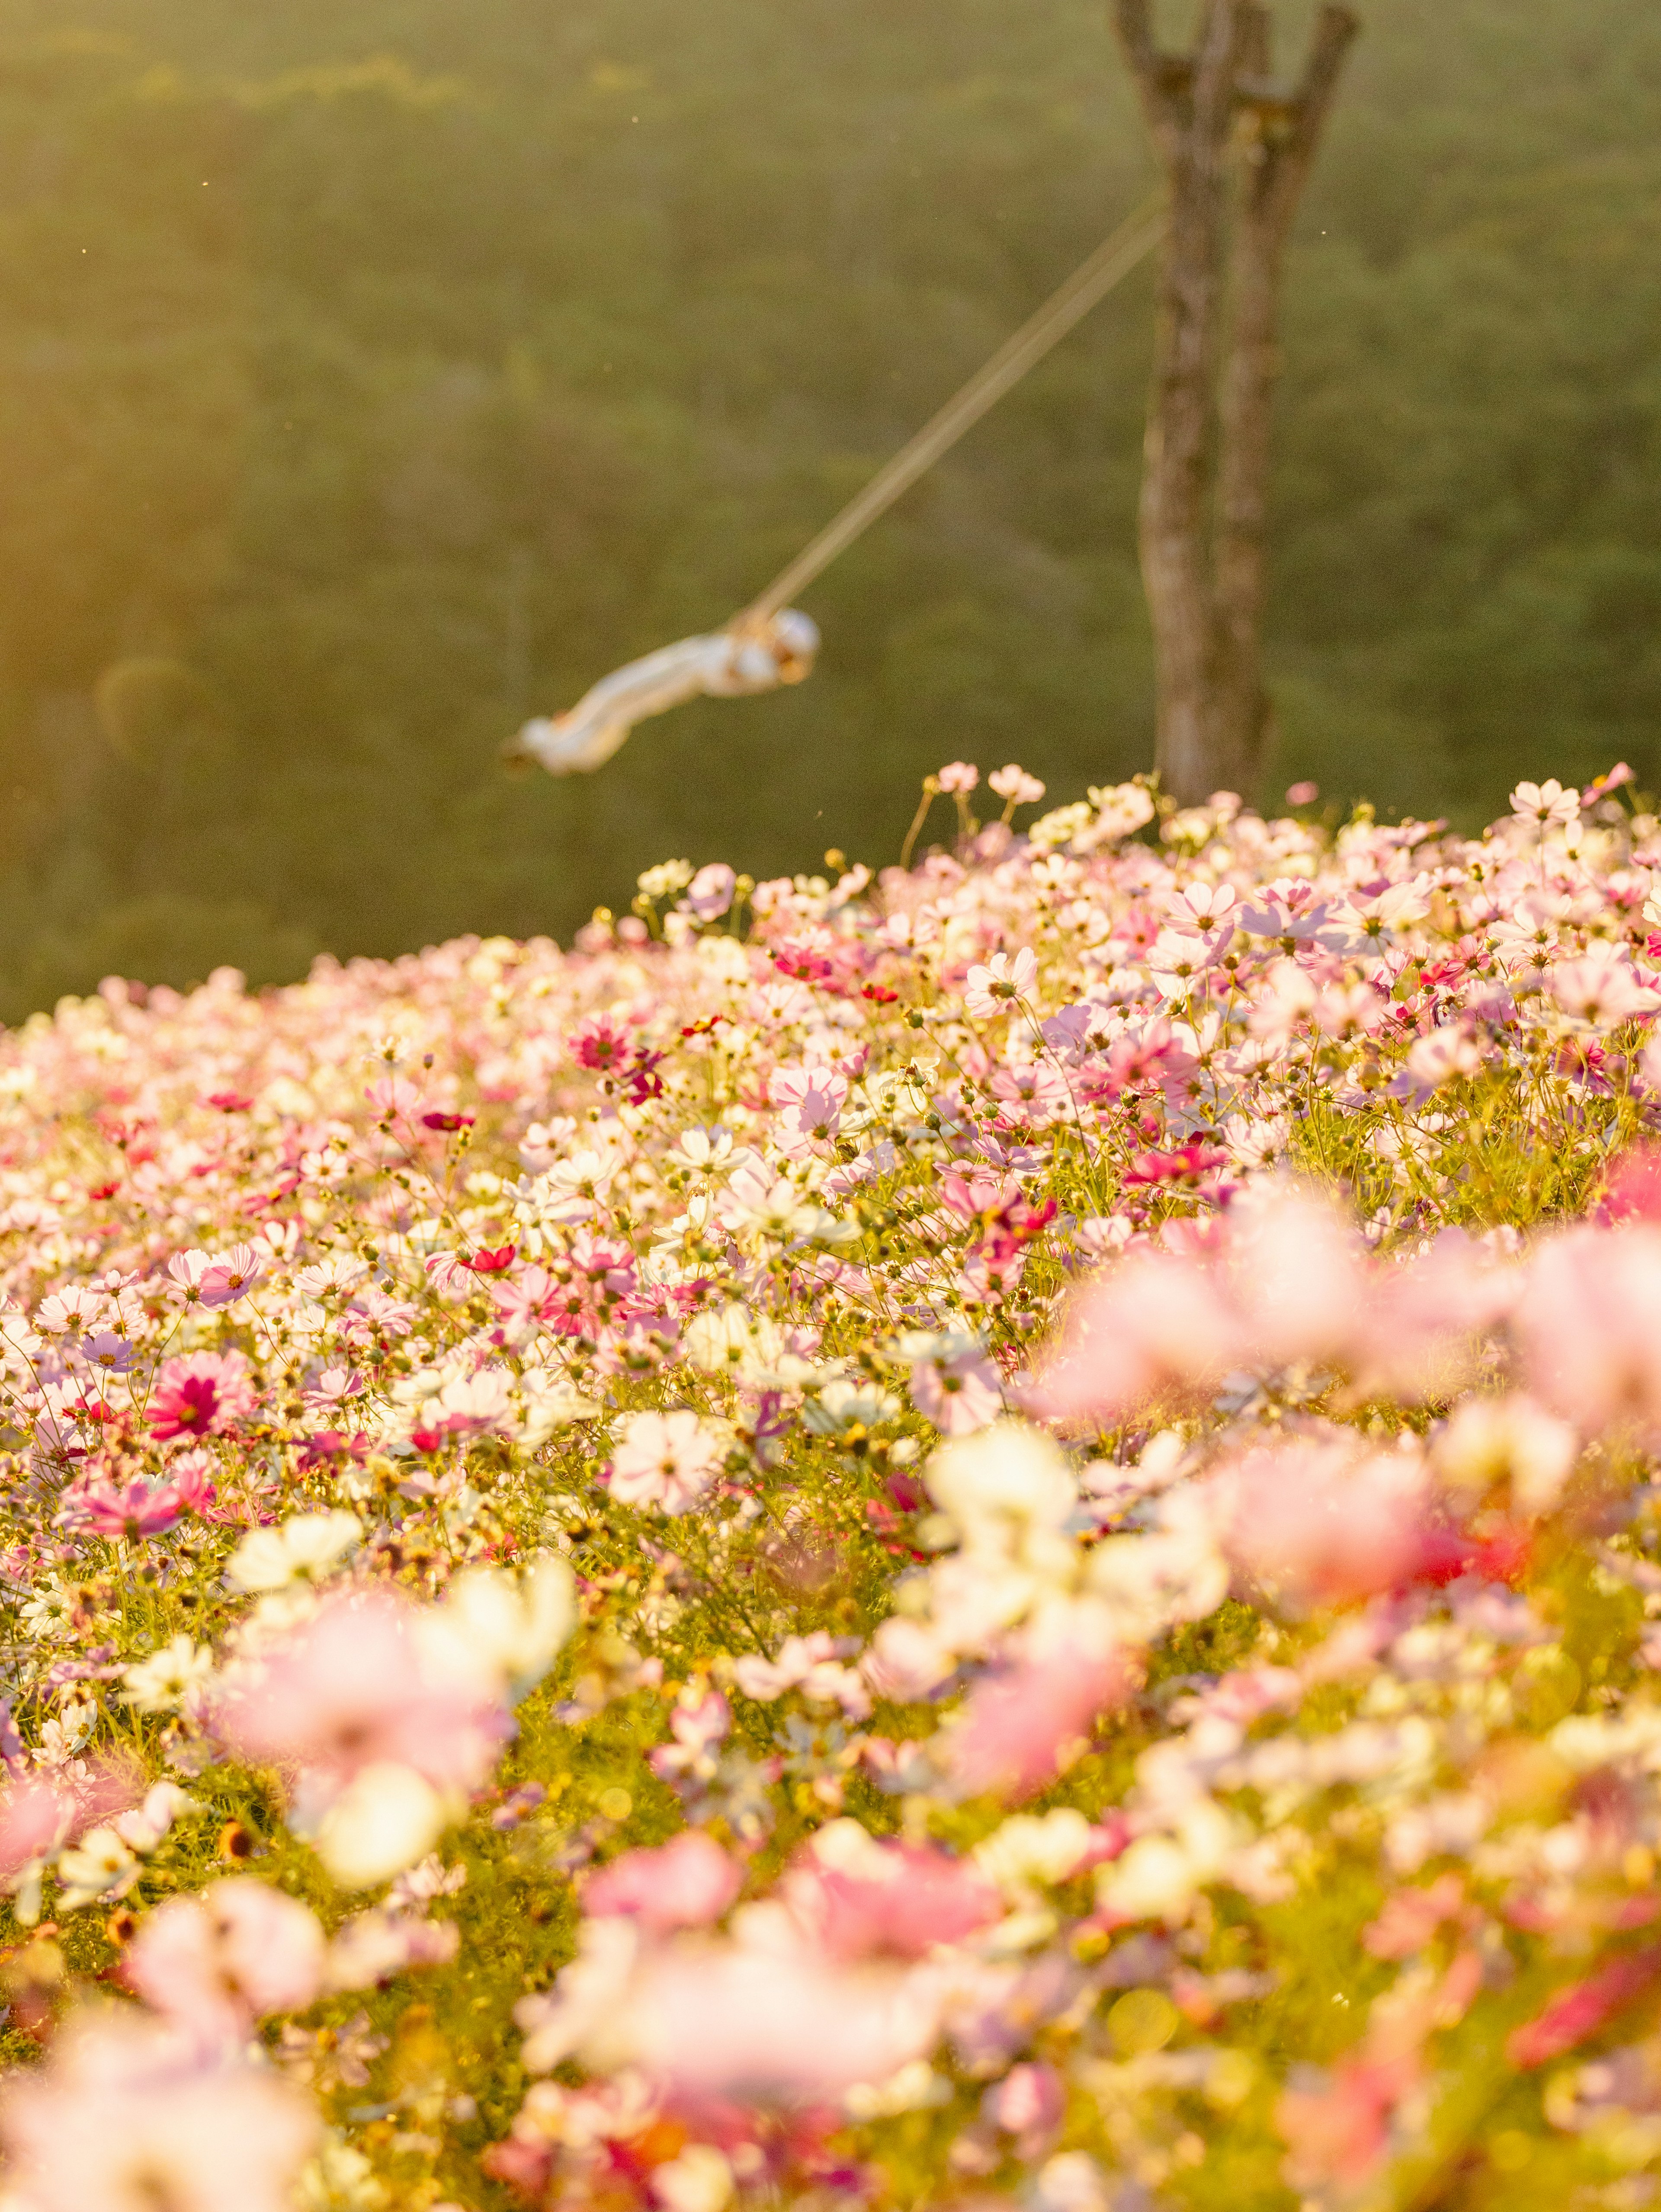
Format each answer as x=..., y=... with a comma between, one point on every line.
x=167, y=1678
x=509, y=1627
x=389, y=1817
x=300, y=1551
x=101, y=1865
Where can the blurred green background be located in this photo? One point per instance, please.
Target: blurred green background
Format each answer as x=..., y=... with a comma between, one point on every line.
x=375, y=373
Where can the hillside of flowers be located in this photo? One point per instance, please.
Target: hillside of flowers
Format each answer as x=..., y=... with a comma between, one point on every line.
x=983, y=1536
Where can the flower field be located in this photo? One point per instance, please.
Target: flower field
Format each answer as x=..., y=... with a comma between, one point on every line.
x=984, y=1536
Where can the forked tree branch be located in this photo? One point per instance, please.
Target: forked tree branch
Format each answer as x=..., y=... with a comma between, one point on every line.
x=1279, y=181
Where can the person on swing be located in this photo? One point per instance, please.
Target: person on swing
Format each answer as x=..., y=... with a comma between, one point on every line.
x=752, y=656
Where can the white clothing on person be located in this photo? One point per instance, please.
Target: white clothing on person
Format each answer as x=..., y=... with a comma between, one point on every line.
x=727, y=665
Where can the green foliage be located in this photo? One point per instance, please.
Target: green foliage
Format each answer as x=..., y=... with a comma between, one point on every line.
x=370, y=378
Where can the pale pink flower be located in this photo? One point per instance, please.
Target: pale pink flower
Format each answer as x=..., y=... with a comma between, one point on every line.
x=1317, y=1522
x=1028, y=2101
x=232, y=1276
x=38, y=1813
x=218, y=1962
x=187, y=1270
x=807, y=1663
x=1337, y=2133
x=1025, y=1721
x=665, y=1459
x=1153, y=1326
x=1547, y=804
x=1203, y=910
x=1014, y=783
x=1441, y=1057
x=353, y=1688
x=858, y=1898
x=811, y=1100
x=959, y=1391
x=905, y=1660
x=71, y=1309
x=759, y=2024
x=1600, y=992
x=685, y=1883
x=1001, y=984
x=1429, y=1317
x=1589, y=1327
x=957, y=775
x=129, y=2115
x=709, y=894
x=1301, y=1280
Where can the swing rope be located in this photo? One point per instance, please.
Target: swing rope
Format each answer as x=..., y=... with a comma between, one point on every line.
x=770, y=642
x=1111, y=262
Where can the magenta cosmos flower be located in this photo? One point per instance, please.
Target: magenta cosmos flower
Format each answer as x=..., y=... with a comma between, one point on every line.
x=202, y=1395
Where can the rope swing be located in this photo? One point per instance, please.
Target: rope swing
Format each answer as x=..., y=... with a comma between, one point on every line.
x=770, y=642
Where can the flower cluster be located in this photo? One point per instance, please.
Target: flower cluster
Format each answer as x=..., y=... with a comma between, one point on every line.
x=988, y=1534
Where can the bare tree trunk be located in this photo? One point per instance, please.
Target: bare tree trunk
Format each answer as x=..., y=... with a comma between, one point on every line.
x=1189, y=104
x=1205, y=478
x=1278, y=145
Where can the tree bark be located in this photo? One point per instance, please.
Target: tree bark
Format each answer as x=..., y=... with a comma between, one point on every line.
x=1277, y=146
x=1205, y=476
x=1189, y=104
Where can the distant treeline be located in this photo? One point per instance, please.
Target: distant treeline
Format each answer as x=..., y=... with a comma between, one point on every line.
x=372, y=374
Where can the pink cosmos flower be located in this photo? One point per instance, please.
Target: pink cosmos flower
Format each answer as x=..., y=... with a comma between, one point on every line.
x=202, y=1393
x=1300, y=1279
x=132, y=1509
x=187, y=1269
x=110, y=1354
x=392, y=1097
x=1322, y=1522
x=231, y=1276
x=1545, y=803
x=709, y=894
x=1014, y=783
x=1632, y=1190
x=811, y=1100
x=353, y=1688
x=665, y=1459
x=1579, y=2011
x=957, y=775
x=687, y=1882
x=1601, y=990
x=128, y=2113
x=601, y=1043
x=1338, y=2132
x=1001, y=984
x=39, y=1813
x=959, y=1393
x=1028, y=2101
x=759, y=2024
x=1153, y=1326
x=36, y=1815
x=1024, y=1721
x=1589, y=1327
x=218, y=1962
x=857, y=1897
x=1445, y=1054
